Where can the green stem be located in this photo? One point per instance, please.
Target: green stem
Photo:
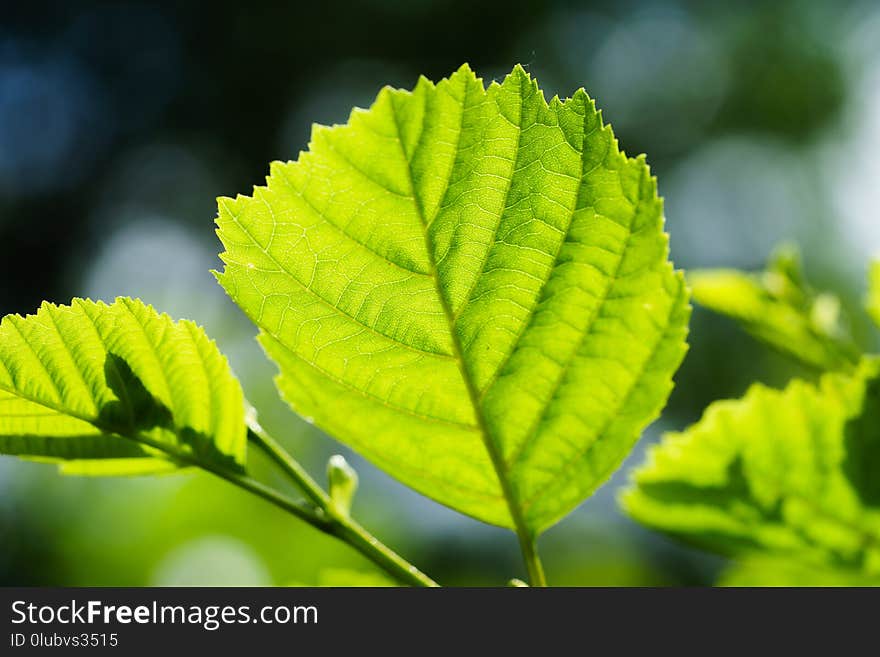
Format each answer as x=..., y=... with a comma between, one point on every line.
x=293, y=507
x=529, y=547
x=243, y=481
x=325, y=517
x=336, y=523
x=291, y=466
x=361, y=540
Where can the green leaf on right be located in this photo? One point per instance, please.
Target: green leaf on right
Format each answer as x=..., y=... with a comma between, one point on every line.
x=787, y=474
x=874, y=292
x=471, y=287
x=778, y=307
x=116, y=389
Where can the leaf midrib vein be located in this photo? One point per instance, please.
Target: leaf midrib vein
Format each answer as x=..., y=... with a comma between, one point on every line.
x=488, y=439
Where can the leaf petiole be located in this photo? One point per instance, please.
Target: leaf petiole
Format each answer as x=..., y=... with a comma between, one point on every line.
x=322, y=516
x=332, y=520
x=529, y=549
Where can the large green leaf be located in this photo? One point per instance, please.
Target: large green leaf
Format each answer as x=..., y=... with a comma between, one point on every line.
x=874, y=292
x=116, y=389
x=790, y=472
x=778, y=307
x=470, y=287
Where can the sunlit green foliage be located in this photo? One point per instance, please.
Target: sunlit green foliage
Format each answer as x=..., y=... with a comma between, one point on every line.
x=789, y=472
x=470, y=287
x=116, y=389
x=779, y=307
x=785, y=480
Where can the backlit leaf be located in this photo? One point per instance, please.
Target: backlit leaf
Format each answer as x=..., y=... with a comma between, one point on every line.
x=778, y=307
x=470, y=287
x=116, y=389
x=790, y=472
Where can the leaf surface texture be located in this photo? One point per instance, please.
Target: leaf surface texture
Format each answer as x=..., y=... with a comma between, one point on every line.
x=116, y=389
x=469, y=286
x=778, y=307
x=790, y=472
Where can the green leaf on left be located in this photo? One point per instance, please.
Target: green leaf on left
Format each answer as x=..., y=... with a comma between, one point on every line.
x=471, y=287
x=779, y=307
x=116, y=389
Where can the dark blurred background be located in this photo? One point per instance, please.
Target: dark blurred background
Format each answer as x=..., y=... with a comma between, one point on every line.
x=121, y=122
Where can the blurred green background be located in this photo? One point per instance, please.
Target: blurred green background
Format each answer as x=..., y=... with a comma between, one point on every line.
x=121, y=122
